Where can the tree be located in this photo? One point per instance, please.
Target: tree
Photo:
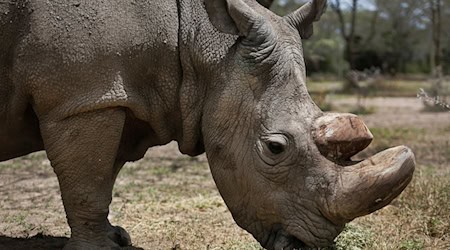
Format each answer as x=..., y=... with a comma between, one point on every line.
x=348, y=30
x=402, y=31
x=436, y=27
x=407, y=36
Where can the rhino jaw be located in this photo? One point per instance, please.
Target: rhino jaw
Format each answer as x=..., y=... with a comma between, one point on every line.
x=371, y=184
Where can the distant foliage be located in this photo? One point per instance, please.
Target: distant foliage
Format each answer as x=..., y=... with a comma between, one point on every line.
x=394, y=36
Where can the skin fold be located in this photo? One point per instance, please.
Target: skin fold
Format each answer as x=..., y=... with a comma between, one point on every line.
x=96, y=83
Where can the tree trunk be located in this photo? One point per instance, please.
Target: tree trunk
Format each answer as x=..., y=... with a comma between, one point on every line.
x=348, y=36
x=436, y=27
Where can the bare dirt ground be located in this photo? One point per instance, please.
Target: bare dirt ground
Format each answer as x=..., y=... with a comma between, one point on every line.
x=398, y=112
x=169, y=201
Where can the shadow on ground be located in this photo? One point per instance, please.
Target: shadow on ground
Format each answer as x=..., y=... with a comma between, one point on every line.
x=38, y=242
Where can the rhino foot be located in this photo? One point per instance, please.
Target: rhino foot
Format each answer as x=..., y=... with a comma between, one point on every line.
x=116, y=238
x=118, y=235
x=75, y=244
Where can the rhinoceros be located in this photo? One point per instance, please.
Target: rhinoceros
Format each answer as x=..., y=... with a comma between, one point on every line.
x=96, y=83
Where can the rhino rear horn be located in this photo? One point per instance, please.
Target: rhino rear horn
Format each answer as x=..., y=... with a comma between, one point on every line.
x=303, y=18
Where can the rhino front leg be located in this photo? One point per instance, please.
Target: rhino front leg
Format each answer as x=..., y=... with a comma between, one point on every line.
x=82, y=150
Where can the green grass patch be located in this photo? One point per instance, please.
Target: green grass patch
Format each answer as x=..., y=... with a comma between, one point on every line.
x=398, y=133
x=324, y=86
x=446, y=129
x=321, y=99
x=392, y=88
x=399, y=88
x=386, y=137
x=363, y=110
x=354, y=237
x=411, y=245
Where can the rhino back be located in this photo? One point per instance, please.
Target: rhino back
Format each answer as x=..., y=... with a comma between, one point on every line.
x=83, y=55
x=70, y=57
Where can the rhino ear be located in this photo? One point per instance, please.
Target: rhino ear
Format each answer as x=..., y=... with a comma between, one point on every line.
x=232, y=16
x=303, y=18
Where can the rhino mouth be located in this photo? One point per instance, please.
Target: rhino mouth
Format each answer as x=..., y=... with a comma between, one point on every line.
x=279, y=239
x=282, y=240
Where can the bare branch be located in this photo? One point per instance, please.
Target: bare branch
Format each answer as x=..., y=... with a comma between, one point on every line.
x=353, y=20
x=336, y=6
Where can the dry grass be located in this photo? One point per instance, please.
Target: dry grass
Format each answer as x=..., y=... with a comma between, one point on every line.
x=169, y=201
x=172, y=202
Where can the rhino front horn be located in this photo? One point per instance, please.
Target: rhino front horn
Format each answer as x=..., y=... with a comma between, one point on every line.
x=340, y=136
x=371, y=184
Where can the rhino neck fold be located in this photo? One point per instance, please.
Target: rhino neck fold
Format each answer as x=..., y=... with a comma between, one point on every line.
x=202, y=50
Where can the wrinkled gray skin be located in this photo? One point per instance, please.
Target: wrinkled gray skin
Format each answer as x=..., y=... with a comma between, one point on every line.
x=96, y=83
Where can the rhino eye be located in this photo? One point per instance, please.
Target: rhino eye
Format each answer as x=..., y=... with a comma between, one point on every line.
x=272, y=148
x=275, y=147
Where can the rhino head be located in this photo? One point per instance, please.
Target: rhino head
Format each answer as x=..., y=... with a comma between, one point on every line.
x=281, y=164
